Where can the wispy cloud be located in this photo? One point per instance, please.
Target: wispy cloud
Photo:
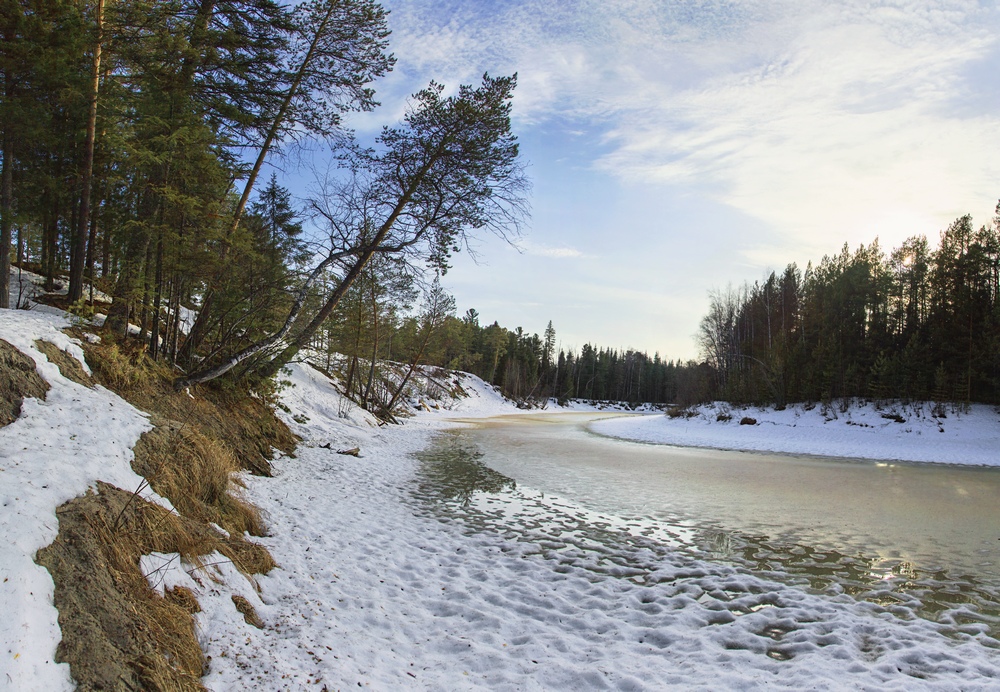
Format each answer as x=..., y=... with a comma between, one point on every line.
x=820, y=118
x=540, y=250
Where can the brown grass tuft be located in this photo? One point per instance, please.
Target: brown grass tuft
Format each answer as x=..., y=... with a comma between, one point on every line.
x=227, y=414
x=18, y=379
x=195, y=473
x=183, y=597
x=248, y=611
x=124, y=369
x=68, y=365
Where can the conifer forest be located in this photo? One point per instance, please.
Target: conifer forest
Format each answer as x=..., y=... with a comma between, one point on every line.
x=137, y=142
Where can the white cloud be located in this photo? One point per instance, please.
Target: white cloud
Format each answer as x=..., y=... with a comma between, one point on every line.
x=819, y=118
x=563, y=252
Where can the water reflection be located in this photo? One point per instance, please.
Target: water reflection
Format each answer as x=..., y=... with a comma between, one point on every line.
x=453, y=472
x=455, y=484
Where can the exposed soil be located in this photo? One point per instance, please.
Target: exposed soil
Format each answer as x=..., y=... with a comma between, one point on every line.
x=68, y=365
x=119, y=634
x=18, y=380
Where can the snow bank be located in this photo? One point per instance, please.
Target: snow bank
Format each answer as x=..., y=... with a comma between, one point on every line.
x=26, y=287
x=53, y=452
x=889, y=432
x=382, y=586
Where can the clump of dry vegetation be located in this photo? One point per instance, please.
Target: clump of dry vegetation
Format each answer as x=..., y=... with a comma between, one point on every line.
x=242, y=422
x=118, y=632
x=18, y=380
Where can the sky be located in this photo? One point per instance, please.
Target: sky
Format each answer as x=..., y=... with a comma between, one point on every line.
x=678, y=146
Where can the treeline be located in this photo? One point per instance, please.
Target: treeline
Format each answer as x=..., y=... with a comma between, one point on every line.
x=134, y=138
x=918, y=323
x=375, y=328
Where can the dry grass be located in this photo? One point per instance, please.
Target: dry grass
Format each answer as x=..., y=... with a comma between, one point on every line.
x=122, y=369
x=68, y=365
x=247, y=610
x=18, y=380
x=118, y=633
x=231, y=416
x=195, y=473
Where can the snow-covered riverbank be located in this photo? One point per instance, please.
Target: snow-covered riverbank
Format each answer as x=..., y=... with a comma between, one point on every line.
x=893, y=432
x=378, y=592
x=376, y=588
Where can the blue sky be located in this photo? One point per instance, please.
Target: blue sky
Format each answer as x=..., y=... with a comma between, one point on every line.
x=678, y=146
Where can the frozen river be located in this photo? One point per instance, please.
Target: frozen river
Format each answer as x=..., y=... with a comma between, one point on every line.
x=922, y=536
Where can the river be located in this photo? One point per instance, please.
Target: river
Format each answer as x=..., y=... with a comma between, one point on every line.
x=922, y=536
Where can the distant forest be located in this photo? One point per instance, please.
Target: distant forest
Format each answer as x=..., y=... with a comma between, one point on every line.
x=918, y=323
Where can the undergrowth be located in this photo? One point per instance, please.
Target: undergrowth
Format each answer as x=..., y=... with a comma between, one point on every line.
x=119, y=633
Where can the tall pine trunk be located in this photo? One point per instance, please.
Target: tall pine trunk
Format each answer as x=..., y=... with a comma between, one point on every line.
x=78, y=251
x=6, y=211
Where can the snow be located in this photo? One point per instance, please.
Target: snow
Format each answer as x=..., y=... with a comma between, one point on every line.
x=26, y=286
x=376, y=589
x=895, y=432
x=383, y=583
x=52, y=453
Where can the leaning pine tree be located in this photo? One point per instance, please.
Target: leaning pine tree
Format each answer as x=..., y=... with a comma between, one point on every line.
x=450, y=169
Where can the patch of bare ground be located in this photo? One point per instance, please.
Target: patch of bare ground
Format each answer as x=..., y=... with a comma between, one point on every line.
x=118, y=633
x=68, y=365
x=18, y=380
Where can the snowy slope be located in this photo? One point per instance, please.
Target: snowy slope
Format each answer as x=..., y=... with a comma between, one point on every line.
x=892, y=432
x=377, y=588
x=52, y=453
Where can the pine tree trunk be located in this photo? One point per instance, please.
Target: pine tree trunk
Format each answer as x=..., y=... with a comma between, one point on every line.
x=79, y=244
x=6, y=210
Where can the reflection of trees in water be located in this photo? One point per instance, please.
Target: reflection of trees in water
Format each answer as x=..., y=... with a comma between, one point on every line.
x=453, y=470
x=933, y=594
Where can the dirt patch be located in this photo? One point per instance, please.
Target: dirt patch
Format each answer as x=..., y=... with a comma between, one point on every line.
x=195, y=473
x=68, y=365
x=243, y=423
x=18, y=379
x=117, y=632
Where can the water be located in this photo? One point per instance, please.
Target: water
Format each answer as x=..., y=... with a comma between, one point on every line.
x=912, y=538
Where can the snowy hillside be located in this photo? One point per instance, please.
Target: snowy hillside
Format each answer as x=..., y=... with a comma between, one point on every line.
x=379, y=587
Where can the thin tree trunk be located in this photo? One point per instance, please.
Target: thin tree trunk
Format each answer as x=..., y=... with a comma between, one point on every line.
x=6, y=211
x=146, y=289
x=91, y=241
x=78, y=248
x=371, y=367
x=154, y=330
x=413, y=366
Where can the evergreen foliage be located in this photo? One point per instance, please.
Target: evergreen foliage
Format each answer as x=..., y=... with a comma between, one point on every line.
x=915, y=324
